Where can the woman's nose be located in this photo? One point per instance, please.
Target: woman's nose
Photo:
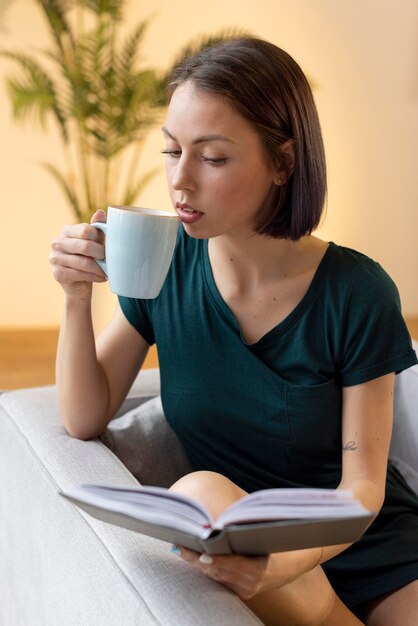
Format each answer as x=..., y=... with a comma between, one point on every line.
x=182, y=177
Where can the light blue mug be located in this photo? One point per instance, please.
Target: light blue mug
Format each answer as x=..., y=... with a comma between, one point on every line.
x=139, y=247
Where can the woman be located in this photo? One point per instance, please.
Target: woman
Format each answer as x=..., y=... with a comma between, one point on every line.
x=277, y=350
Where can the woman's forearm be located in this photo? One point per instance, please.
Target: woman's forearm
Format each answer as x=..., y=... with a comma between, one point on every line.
x=83, y=394
x=300, y=562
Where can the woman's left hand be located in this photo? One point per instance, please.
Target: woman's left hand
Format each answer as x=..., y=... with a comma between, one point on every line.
x=245, y=576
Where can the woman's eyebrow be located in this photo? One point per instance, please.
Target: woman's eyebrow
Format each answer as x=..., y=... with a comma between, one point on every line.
x=202, y=139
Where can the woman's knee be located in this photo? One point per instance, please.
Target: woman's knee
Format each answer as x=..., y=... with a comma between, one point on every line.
x=213, y=490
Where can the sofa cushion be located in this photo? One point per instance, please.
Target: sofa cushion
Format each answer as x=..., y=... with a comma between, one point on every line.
x=146, y=445
x=404, y=444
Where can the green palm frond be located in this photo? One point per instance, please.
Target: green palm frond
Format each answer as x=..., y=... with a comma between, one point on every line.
x=113, y=8
x=125, y=61
x=139, y=100
x=126, y=108
x=55, y=12
x=34, y=92
x=94, y=51
x=29, y=98
x=78, y=74
x=95, y=85
x=66, y=187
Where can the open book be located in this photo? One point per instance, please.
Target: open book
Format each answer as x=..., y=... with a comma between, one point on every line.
x=270, y=520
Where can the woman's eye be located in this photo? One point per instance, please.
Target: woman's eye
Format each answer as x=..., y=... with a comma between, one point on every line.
x=176, y=154
x=217, y=161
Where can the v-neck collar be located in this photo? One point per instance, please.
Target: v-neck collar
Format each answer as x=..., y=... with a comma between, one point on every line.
x=310, y=296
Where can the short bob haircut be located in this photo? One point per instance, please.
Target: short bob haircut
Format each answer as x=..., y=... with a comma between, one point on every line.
x=268, y=88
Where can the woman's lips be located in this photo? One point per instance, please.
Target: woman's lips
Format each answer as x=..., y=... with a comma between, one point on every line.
x=187, y=214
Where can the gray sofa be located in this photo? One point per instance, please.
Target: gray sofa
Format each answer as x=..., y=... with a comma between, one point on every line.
x=59, y=567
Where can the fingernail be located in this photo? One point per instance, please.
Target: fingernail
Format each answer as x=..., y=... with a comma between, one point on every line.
x=206, y=559
x=175, y=550
x=100, y=211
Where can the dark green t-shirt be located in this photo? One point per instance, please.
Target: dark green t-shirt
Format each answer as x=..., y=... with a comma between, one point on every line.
x=269, y=414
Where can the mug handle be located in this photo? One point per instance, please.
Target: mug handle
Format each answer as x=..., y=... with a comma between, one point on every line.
x=101, y=226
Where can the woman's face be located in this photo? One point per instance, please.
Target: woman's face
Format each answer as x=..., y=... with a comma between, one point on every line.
x=218, y=176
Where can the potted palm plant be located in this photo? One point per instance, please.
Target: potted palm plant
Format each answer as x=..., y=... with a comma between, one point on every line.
x=93, y=85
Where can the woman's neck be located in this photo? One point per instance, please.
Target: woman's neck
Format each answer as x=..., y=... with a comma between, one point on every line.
x=256, y=260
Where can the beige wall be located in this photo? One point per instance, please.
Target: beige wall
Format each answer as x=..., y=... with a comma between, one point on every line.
x=362, y=56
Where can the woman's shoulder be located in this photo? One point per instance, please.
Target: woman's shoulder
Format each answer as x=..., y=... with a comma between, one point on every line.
x=350, y=258
x=356, y=270
x=371, y=333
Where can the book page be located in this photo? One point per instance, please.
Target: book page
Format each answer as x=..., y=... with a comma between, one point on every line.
x=282, y=504
x=150, y=504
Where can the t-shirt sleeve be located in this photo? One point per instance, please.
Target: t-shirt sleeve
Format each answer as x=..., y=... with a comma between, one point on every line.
x=375, y=338
x=138, y=315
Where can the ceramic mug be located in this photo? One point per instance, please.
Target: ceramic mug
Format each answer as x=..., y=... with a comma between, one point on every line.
x=139, y=247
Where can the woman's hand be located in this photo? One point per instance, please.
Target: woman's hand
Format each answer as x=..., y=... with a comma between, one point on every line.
x=245, y=576
x=73, y=256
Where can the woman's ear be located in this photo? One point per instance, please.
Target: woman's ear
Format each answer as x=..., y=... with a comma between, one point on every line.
x=288, y=163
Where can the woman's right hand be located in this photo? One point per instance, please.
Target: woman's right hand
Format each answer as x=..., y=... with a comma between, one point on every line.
x=73, y=256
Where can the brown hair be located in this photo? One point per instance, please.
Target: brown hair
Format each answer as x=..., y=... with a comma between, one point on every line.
x=268, y=88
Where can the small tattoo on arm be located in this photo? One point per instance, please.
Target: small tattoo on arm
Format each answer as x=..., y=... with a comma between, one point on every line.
x=350, y=446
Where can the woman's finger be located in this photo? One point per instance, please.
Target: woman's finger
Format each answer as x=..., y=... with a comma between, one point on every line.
x=187, y=555
x=242, y=575
x=82, y=231
x=67, y=267
x=66, y=275
x=84, y=247
x=98, y=216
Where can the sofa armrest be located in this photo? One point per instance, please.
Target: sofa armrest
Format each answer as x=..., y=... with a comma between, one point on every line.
x=60, y=566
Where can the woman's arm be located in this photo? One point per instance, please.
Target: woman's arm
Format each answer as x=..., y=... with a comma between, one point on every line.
x=92, y=381
x=93, y=378
x=367, y=418
x=366, y=434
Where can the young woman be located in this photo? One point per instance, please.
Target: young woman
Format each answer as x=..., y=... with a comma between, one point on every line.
x=277, y=350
